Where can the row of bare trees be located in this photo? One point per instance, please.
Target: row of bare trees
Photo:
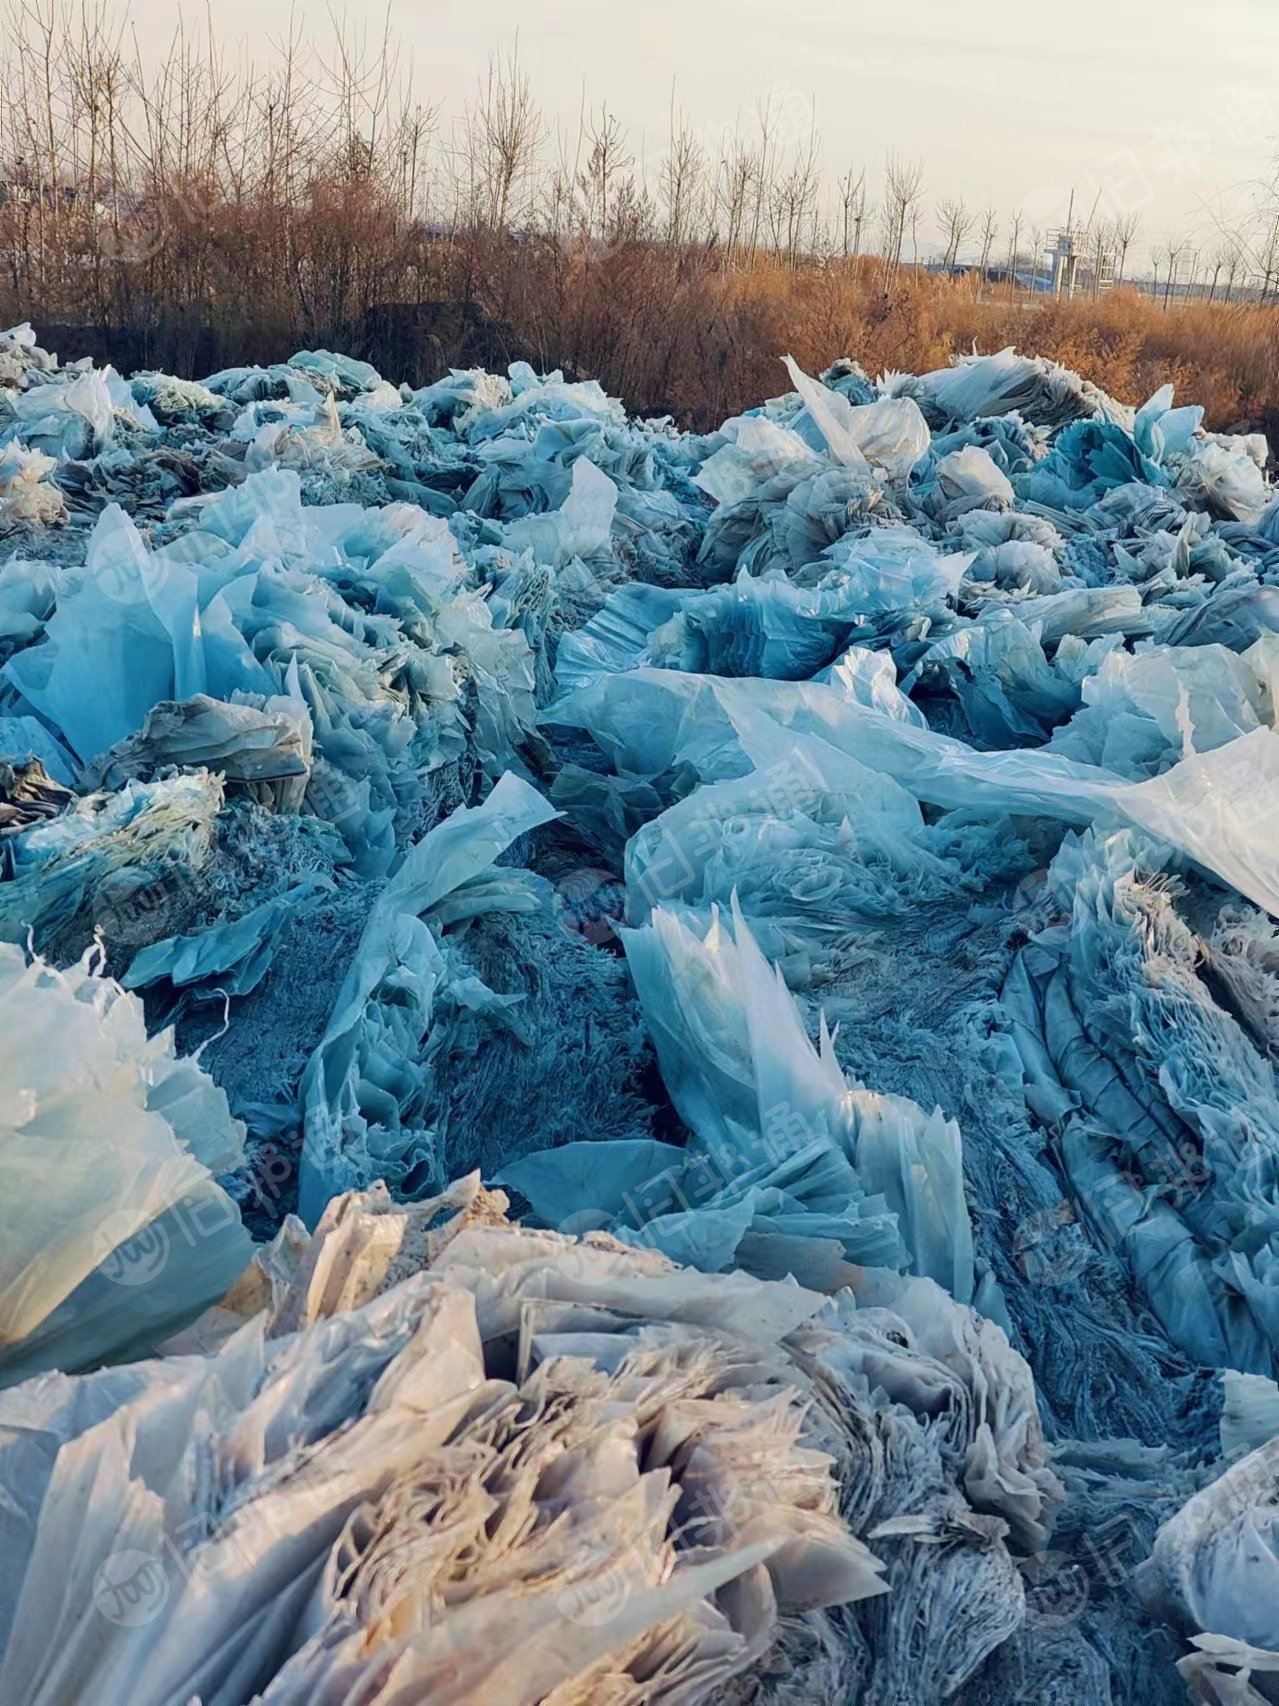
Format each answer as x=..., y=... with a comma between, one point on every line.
x=193, y=205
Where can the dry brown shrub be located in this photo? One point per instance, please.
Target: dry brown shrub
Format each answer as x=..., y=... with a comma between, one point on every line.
x=189, y=216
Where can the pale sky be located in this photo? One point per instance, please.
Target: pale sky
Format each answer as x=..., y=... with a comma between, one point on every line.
x=1166, y=103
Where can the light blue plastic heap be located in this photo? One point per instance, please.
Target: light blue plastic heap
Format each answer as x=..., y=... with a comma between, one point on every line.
x=1167, y=1110
x=366, y=1094
x=790, y=1168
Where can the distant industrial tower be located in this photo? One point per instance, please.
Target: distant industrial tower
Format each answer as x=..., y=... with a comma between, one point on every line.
x=1079, y=262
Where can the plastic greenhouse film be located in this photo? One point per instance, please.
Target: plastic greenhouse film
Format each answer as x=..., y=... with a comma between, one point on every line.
x=1221, y=809
x=914, y=741
x=375, y=1438
x=889, y=436
x=1207, y=807
x=749, y=1084
x=124, y=1235
x=339, y=1097
x=1213, y=1573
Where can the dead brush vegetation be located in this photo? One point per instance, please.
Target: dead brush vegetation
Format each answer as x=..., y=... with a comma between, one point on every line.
x=189, y=213
x=680, y=335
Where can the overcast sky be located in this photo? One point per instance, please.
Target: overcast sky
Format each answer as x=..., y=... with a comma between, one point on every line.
x=1161, y=105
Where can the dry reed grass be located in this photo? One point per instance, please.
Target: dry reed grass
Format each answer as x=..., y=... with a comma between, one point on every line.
x=191, y=215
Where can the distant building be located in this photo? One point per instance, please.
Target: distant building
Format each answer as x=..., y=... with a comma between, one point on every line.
x=1076, y=263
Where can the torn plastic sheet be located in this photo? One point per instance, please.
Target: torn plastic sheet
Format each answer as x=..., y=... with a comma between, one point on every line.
x=1212, y=1574
x=870, y=679
x=756, y=449
x=262, y=744
x=888, y=436
x=141, y=624
x=1217, y=808
x=1089, y=459
x=893, y=569
x=1226, y=480
x=305, y=439
x=1143, y=711
x=237, y=611
x=366, y=1093
x=968, y=479
x=109, y=1143
x=25, y=738
x=1167, y=1108
x=228, y=958
x=716, y=1452
x=26, y=497
x=28, y=794
x=824, y=690
x=74, y=415
x=760, y=627
x=616, y=638
x=786, y=1152
x=819, y=852
x=123, y=864
x=1010, y=694
x=1038, y=390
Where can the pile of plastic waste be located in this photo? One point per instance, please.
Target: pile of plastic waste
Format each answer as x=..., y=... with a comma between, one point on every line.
x=637, y=1067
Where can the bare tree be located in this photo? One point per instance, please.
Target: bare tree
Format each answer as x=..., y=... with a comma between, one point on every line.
x=1174, y=250
x=1102, y=250
x=1218, y=262
x=792, y=202
x=762, y=179
x=903, y=182
x=736, y=174
x=506, y=135
x=1249, y=239
x=1125, y=227
x=682, y=179
x=602, y=175
x=956, y=223
x=1157, y=256
x=1014, y=250
x=1232, y=260
x=1267, y=253
x=989, y=231
x=854, y=212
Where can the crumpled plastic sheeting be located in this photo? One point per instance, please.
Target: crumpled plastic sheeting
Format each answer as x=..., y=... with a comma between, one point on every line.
x=119, y=863
x=368, y=664
x=888, y=436
x=761, y=627
x=1168, y=1111
x=970, y=479
x=472, y=1458
x=1206, y=807
x=117, y=1233
x=1008, y=692
x=786, y=1153
x=79, y=412
x=229, y=958
x=261, y=744
x=28, y=794
x=1145, y=710
x=817, y=696
x=1212, y=1575
x=817, y=850
x=366, y=1093
x=26, y=497
x=235, y=610
x=1040, y=391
